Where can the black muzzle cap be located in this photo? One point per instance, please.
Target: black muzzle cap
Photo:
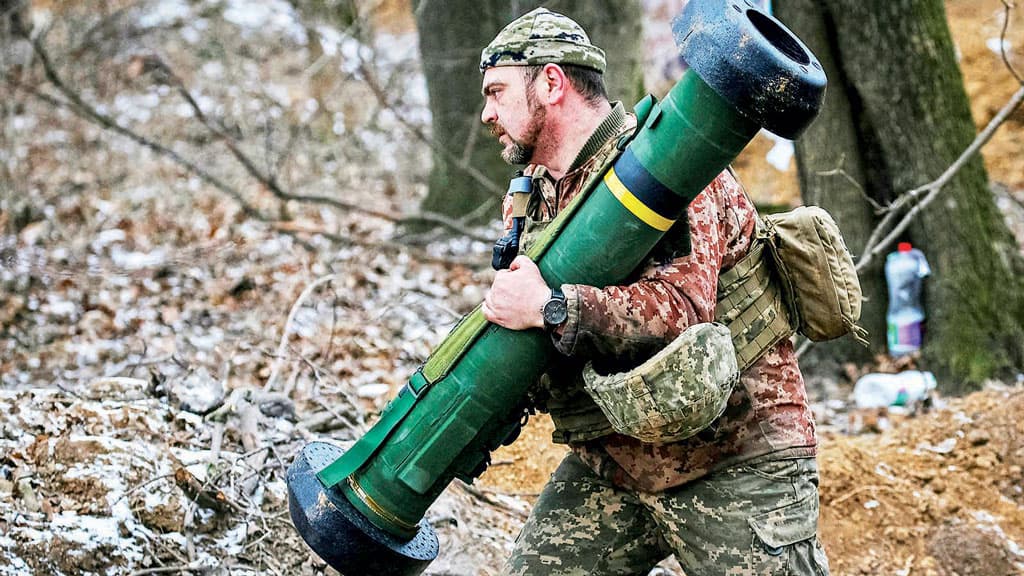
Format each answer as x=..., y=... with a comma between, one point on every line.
x=340, y=534
x=752, y=61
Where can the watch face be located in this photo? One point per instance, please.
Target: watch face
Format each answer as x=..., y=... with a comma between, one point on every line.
x=555, y=311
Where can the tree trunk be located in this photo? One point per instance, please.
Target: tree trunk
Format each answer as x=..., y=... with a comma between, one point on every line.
x=831, y=168
x=907, y=108
x=451, y=38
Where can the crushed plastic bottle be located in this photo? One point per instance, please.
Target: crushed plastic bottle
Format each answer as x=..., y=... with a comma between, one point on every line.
x=904, y=270
x=878, y=390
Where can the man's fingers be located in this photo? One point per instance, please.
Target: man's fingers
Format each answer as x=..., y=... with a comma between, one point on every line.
x=520, y=262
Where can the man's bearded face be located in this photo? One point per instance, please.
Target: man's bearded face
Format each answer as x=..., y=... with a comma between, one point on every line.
x=520, y=150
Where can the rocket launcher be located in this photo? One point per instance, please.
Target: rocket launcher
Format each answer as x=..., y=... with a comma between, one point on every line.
x=362, y=510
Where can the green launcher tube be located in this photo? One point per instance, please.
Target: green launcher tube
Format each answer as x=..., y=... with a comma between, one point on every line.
x=461, y=418
x=363, y=509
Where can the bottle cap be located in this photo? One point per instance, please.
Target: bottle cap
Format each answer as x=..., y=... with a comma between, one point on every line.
x=904, y=247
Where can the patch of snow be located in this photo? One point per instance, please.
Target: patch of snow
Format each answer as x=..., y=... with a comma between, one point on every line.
x=962, y=418
x=885, y=471
x=165, y=12
x=89, y=531
x=191, y=35
x=372, y=390
x=23, y=123
x=138, y=260
x=59, y=307
x=54, y=137
x=213, y=69
x=997, y=47
x=277, y=92
x=277, y=15
x=944, y=447
x=108, y=237
x=232, y=541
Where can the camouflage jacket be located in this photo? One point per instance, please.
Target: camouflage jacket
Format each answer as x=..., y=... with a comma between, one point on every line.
x=618, y=327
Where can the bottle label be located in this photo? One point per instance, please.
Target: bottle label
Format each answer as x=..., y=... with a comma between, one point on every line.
x=904, y=337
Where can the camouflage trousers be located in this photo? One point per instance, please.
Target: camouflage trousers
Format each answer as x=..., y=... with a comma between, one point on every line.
x=755, y=520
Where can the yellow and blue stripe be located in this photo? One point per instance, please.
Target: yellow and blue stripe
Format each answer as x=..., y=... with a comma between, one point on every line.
x=642, y=194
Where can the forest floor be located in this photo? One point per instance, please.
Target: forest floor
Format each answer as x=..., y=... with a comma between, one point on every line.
x=148, y=409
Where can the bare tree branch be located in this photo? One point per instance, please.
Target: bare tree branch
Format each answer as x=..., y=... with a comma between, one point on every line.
x=875, y=246
x=841, y=172
x=421, y=255
x=76, y=104
x=275, y=188
x=371, y=80
x=279, y=357
x=83, y=109
x=885, y=233
x=1007, y=7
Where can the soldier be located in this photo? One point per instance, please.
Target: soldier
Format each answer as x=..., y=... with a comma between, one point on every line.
x=738, y=497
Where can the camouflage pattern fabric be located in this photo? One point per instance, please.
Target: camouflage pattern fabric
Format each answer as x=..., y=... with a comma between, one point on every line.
x=542, y=37
x=675, y=394
x=749, y=520
x=618, y=327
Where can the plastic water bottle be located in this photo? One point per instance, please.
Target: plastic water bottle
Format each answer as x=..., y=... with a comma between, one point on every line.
x=884, y=390
x=904, y=270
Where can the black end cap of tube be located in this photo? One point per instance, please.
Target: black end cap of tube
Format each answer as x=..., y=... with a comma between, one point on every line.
x=340, y=534
x=752, y=61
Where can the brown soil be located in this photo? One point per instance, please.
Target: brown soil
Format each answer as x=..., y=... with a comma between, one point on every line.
x=898, y=500
x=890, y=502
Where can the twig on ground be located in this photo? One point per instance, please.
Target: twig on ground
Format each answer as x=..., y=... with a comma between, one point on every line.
x=216, y=441
x=421, y=255
x=133, y=489
x=488, y=499
x=192, y=567
x=854, y=492
x=252, y=440
x=199, y=493
x=279, y=358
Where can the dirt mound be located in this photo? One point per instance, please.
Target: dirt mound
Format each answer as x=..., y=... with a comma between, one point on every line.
x=939, y=493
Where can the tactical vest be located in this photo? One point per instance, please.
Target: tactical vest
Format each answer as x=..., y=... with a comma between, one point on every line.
x=749, y=302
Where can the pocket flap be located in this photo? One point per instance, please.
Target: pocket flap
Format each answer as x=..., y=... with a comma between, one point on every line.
x=790, y=524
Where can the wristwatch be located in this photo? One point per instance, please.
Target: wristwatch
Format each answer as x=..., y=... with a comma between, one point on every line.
x=555, y=310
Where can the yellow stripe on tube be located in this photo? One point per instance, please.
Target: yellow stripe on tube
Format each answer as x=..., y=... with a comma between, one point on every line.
x=634, y=205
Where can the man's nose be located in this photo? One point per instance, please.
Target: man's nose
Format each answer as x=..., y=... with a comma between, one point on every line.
x=487, y=116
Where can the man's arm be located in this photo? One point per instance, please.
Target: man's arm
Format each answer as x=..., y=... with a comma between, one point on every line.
x=633, y=321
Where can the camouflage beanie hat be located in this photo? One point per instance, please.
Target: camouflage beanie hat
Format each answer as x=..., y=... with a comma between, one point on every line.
x=542, y=37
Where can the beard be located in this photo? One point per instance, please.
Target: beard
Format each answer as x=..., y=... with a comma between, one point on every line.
x=521, y=151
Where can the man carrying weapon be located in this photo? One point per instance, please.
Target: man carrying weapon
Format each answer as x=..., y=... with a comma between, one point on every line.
x=737, y=496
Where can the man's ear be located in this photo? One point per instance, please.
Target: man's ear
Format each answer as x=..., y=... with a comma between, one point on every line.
x=555, y=83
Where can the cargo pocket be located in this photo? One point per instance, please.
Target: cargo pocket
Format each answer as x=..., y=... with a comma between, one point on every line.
x=789, y=536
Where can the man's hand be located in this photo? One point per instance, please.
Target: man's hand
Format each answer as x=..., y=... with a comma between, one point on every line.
x=517, y=296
